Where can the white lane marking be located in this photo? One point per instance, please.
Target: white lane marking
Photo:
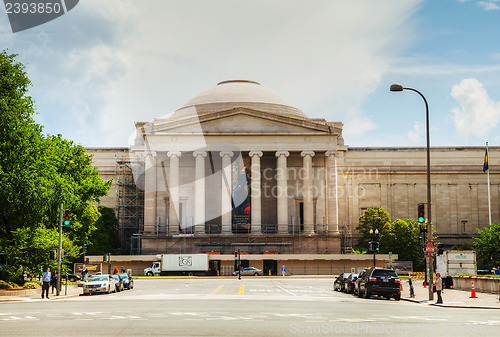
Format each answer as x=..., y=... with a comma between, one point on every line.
x=286, y=290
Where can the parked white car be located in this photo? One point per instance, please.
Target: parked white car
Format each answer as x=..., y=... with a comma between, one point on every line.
x=99, y=284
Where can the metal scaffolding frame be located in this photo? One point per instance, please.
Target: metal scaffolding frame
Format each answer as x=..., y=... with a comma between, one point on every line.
x=130, y=205
x=212, y=241
x=346, y=239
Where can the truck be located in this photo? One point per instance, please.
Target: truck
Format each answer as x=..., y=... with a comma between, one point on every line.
x=179, y=264
x=456, y=262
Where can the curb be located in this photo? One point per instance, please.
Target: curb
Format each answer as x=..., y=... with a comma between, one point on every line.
x=26, y=299
x=445, y=305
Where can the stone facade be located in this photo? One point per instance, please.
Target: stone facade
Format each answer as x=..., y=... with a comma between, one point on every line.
x=260, y=176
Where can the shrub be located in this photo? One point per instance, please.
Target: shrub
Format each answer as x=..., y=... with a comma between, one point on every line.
x=32, y=285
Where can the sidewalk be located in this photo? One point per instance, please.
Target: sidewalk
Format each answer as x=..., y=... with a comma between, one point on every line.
x=451, y=297
x=36, y=294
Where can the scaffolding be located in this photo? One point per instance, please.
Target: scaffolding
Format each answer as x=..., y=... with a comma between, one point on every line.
x=346, y=239
x=209, y=239
x=129, y=208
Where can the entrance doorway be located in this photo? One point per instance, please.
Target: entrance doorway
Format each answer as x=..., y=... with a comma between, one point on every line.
x=214, y=267
x=270, y=265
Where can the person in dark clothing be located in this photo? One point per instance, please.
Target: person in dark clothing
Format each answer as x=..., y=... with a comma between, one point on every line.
x=53, y=282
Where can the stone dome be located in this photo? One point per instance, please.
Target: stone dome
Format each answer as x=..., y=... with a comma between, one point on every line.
x=232, y=94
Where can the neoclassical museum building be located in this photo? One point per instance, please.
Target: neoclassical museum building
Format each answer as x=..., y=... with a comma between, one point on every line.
x=240, y=168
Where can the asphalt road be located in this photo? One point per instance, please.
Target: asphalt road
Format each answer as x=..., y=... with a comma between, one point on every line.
x=229, y=307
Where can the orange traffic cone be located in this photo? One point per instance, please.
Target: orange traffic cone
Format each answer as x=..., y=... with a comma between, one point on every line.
x=452, y=287
x=425, y=284
x=401, y=286
x=473, y=292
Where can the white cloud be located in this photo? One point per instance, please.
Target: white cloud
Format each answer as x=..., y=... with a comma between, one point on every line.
x=357, y=125
x=477, y=113
x=488, y=5
x=109, y=63
x=416, y=135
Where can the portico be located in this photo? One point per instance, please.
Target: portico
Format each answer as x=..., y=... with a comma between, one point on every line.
x=255, y=169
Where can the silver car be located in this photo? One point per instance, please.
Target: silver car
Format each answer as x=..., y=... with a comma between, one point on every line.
x=99, y=284
x=249, y=271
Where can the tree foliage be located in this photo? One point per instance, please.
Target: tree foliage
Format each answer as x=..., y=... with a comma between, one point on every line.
x=402, y=237
x=374, y=218
x=488, y=246
x=105, y=238
x=38, y=172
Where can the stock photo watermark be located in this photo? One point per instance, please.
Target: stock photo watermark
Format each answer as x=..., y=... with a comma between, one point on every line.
x=28, y=14
x=368, y=328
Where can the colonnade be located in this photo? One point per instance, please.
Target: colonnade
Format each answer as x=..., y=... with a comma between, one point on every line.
x=226, y=193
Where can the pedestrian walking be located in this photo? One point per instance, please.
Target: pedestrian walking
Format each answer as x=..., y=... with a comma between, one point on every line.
x=122, y=270
x=53, y=282
x=412, y=291
x=115, y=271
x=283, y=271
x=46, y=282
x=439, y=288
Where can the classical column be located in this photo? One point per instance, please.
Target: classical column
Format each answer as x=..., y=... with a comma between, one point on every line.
x=307, y=184
x=332, y=191
x=255, y=193
x=199, y=191
x=173, y=187
x=282, y=180
x=226, y=192
x=150, y=192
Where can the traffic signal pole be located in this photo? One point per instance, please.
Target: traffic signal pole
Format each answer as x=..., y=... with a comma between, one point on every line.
x=59, y=255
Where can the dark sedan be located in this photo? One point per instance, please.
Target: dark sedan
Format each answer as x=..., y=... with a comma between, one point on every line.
x=128, y=282
x=118, y=282
x=349, y=283
x=72, y=277
x=338, y=284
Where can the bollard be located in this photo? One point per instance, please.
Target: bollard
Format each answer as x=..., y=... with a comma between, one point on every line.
x=269, y=272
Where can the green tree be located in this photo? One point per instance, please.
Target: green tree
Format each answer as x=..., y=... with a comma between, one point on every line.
x=105, y=238
x=39, y=172
x=32, y=251
x=374, y=218
x=402, y=237
x=465, y=245
x=488, y=246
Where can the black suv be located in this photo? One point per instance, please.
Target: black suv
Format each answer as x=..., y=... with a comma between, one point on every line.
x=381, y=282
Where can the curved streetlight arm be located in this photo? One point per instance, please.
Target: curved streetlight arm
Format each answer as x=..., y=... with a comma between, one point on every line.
x=399, y=87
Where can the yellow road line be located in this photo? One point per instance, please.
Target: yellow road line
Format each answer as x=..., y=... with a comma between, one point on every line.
x=216, y=290
x=242, y=289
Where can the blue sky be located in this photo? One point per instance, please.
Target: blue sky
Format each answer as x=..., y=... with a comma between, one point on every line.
x=107, y=64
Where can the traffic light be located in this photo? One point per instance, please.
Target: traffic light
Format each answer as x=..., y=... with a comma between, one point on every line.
x=377, y=248
x=421, y=213
x=370, y=245
x=235, y=256
x=66, y=217
x=87, y=260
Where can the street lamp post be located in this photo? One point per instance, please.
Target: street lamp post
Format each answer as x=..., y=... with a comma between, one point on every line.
x=374, y=241
x=429, y=260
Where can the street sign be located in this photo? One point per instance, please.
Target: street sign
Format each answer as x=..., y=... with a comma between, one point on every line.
x=429, y=247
